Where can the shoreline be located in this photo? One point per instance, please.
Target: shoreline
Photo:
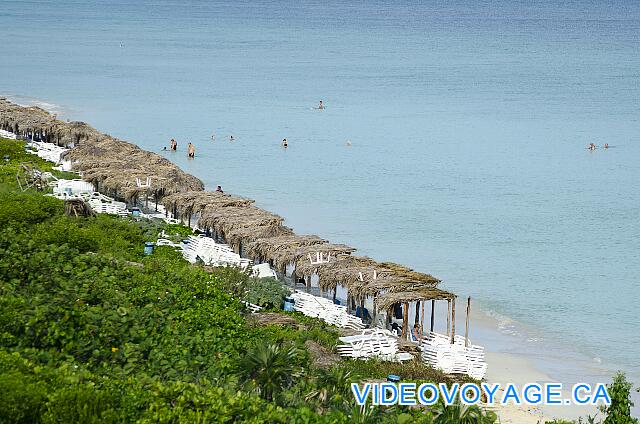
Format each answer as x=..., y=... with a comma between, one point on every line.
x=510, y=362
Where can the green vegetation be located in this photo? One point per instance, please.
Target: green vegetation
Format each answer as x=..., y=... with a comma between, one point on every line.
x=619, y=412
x=94, y=331
x=17, y=154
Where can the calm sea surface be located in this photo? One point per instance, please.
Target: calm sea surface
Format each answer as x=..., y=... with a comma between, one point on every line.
x=468, y=122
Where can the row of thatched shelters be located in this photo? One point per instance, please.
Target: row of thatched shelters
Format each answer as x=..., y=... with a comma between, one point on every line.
x=263, y=237
x=113, y=166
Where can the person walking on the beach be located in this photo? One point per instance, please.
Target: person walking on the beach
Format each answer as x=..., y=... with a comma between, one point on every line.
x=174, y=144
x=191, y=150
x=219, y=189
x=285, y=143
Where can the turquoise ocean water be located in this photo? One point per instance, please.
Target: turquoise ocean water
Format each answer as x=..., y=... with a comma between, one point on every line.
x=468, y=122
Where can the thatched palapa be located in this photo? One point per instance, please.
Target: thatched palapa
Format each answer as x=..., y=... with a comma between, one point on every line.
x=111, y=164
x=238, y=224
x=387, y=300
x=193, y=202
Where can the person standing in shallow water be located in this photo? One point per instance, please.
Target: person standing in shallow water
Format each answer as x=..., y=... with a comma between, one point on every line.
x=285, y=143
x=191, y=151
x=321, y=105
x=174, y=144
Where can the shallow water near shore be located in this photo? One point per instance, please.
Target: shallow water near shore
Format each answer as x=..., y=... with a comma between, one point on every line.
x=468, y=125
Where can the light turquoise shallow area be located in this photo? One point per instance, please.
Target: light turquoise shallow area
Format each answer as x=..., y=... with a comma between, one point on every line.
x=468, y=119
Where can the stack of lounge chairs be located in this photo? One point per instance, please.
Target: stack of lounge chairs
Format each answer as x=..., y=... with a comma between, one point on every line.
x=264, y=271
x=211, y=253
x=104, y=204
x=8, y=135
x=326, y=310
x=64, y=189
x=373, y=343
x=47, y=151
x=456, y=358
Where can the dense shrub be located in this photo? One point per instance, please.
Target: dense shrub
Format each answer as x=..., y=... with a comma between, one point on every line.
x=266, y=292
x=24, y=209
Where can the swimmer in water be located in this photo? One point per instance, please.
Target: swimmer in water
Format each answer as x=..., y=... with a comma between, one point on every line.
x=174, y=144
x=606, y=145
x=285, y=143
x=231, y=138
x=321, y=105
x=349, y=143
x=213, y=136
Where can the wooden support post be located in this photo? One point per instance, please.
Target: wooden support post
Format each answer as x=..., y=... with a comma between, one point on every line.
x=433, y=313
x=422, y=319
x=466, y=327
x=308, y=281
x=453, y=320
x=416, y=318
x=448, y=316
x=405, y=321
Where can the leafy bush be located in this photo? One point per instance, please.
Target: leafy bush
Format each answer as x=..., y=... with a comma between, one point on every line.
x=266, y=292
x=24, y=209
x=178, y=229
x=269, y=369
x=619, y=411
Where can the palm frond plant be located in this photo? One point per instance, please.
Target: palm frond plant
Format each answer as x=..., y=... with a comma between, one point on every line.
x=269, y=369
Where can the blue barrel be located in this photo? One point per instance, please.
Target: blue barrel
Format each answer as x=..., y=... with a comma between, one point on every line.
x=148, y=248
x=288, y=304
x=135, y=212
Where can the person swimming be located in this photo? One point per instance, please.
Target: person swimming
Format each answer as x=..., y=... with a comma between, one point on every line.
x=213, y=136
x=606, y=145
x=592, y=146
x=191, y=151
x=320, y=105
x=231, y=138
x=285, y=143
x=349, y=143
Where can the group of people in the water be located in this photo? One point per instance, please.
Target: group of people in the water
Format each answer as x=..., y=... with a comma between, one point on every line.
x=191, y=150
x=592, y=146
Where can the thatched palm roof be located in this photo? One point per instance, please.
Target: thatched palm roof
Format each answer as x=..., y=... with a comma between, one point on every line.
x=19, y=120
x=294, y=249
x=386, y=300
x=242, y=223
x=192, y=202
x=111, y=163
x=271, y=247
